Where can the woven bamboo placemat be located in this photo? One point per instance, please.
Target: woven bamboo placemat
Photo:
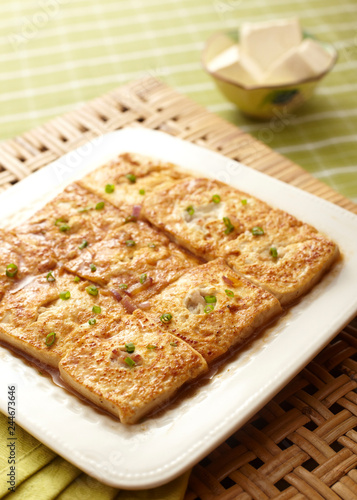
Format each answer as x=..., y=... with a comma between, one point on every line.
x=303, y=444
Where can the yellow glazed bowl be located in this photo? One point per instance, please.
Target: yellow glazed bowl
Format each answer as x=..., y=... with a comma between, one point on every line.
x=261, y=101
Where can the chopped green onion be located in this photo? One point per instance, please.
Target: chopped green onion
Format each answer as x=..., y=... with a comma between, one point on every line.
x=216, y=198
x=228, y=225
x=209, y=308
x=65, y=227
x=50, y=277
x=130, y=362
x=130, y=243
x=257, y=231
x=92, y=321
x=151, y=245
x=210, y=299
x=190, y=210
x=84, y=244
x=151, y=346
x=50, y=339
x=173, y=344
x=143, y=278
x=93, y=268
x=243, y=202
x=99, y=205
x=92, y=290
x=123, y=286
x=131, y=178
x=273, y=252
x=11, y=270
x=166, y=318
x=109, y=188
x=130, y=347
x=142, y=192
x=65, y=295
x=130, y=218
x=59, y=221
x=85, y=209
x=229, y=293
x=77, y=279
x=96, y=309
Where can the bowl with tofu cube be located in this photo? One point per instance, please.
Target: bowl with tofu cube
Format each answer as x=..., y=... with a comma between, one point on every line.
x=267, y=68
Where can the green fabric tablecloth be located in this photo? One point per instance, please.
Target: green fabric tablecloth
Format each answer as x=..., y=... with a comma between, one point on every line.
x=55, y=54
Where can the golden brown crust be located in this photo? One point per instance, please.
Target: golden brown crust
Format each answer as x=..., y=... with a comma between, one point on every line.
x=138, y=252
x=30, y=314
x=232, y=320
x=69, y=219
x=96, y=367
x=28, y=258
x=148, y=174
x=303, y=256
x=204, y=230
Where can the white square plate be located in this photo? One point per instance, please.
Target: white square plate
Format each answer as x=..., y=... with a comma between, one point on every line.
x=162, y=447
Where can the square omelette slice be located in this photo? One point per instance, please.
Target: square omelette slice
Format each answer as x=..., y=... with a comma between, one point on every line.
x=40, y=318
x=133, y=371
x=284, y=256
x=72, y=220
x=128, y=179
x=139, y=261
x=203, y=214
x=213, y=308
x=19, y=259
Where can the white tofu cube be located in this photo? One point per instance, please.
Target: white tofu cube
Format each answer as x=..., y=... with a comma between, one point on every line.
x=265, y=42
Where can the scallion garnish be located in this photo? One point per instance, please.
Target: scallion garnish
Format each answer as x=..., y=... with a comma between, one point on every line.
x=151, y=346
x=11, y=270
x=96, y=309
x=77, y=279
x=130, y=362
x=229, y=293
x=92, y=321
x=50, y=339
x=123, y=286
x=64, y=227
x=92, y=290
x=173, y=344
x=59, y=221
x=166, y=318
x=210, y=299
x=130, y=243
x=273, y=252
x=130, y=218
x=216, y=198
x=85, y=209
x=109, y=188
x=228, y=224
x=50, y=277
x=131, y=178
x=243, y=202
x=142, y=192
x=99, y=205
x=84, y=244
x=143, y=278
x=65, y=295
x=209, y=308
x=257, y=231
x=93, y=268
x=190, y=210
x=130, y=347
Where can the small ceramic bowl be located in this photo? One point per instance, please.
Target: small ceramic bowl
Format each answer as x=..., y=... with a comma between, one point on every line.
x=263, y=101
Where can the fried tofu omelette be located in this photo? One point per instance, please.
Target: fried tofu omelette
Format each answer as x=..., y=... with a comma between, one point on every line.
x=133, y=371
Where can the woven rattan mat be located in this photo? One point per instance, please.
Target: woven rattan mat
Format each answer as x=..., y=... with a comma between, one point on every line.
x=303, y=444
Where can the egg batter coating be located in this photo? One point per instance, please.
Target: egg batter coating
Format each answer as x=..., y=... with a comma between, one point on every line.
x=212, y=308
x=133, y=371
x=41, y=318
